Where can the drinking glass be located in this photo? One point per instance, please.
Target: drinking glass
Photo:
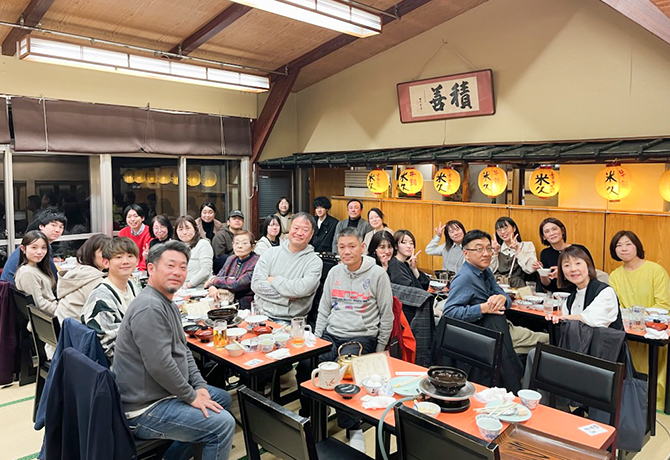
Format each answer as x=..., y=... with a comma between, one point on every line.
x=444, y=277
x=548, y=306
x=299, y=327
x=625, y=317
x=637, y=318
x=532, y=285
x=220, y=333
x=256, y=309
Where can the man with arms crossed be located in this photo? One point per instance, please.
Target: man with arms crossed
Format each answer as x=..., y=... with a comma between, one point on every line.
x=162, y=391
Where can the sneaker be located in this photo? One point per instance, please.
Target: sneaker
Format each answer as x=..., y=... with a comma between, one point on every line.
x=357, y=440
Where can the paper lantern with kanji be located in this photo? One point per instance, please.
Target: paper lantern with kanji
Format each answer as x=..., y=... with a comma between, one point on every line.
x=492, y=181
x=378, y=181
x=209, y=178
x=193, y=178
x=545, y=182
x=129, y=176
x=447, y=181
x=664, y=185
x=410, y=182
x=614, y=183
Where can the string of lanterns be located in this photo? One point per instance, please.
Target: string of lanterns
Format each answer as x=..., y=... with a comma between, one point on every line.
x=164, y=176
x=613, y=182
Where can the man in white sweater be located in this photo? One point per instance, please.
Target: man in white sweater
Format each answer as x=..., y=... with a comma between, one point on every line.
x=286, y=277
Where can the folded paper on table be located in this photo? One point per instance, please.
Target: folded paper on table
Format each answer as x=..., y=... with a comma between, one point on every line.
x=310, y=339
x=653, y=334
x=279, y=354
x=379, y=402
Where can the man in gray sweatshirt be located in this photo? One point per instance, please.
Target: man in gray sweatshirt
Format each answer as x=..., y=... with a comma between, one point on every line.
x=286, y=277
x=356, y=306
x=162, y=391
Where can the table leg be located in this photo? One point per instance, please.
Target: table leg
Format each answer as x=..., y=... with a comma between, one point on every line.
x=253, y=382
x=651, y=385
x=319, y=418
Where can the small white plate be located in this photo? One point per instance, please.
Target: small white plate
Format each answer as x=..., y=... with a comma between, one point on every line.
x=534, y=299
x=438, y=285
x=236, y=332
x=256, y=319
x=656, y=311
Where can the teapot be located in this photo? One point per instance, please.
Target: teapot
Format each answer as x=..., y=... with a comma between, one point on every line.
x=345, y=360
x=329, y=373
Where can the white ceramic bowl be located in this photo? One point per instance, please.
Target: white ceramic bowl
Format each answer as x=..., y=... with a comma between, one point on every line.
x=428, y=408
x=543, y=271
x=281, y=339
x=250, y=344
x=530, y=398
x=534, y=299
x=489, y=426
x=372, y=388
x=266, y=343
x=236, y=332
x=234, y=350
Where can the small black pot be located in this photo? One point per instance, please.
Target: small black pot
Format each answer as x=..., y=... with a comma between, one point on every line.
x=447, y=380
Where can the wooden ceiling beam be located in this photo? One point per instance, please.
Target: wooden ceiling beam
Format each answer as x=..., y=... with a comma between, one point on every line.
x=281, y=88
x=31, y=16
x=342, y=40
x=646, y=14
x=213, y=27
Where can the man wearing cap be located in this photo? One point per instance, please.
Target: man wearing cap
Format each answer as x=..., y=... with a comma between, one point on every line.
x=222, y=243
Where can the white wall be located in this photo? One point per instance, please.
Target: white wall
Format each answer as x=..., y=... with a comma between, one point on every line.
x=563, y=70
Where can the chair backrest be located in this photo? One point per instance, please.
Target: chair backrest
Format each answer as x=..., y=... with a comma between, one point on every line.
x=278, y=430
x=585, y=379
x=471, y=344
x=421, y=437
x=22, y=301
x=45, y=330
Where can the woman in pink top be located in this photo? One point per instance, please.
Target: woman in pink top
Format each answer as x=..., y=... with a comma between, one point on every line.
x=137, y=231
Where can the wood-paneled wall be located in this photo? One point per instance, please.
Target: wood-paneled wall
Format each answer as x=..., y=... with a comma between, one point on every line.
x=592, y=228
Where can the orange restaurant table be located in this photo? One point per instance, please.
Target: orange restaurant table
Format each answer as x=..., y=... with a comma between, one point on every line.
x=544, y=418
x=251, y=371
x=654, y=345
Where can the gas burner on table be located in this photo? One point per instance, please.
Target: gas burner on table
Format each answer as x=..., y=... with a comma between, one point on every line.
x=458, y=402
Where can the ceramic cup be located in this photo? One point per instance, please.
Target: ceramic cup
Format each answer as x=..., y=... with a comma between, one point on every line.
x=530, y=398
x=489, y=427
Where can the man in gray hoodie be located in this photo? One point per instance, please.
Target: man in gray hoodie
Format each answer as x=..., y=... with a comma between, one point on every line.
x=357, y=305
x=162, y=391
x=286, y=277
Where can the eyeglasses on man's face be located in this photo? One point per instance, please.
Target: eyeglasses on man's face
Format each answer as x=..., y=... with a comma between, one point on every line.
x=480, y=249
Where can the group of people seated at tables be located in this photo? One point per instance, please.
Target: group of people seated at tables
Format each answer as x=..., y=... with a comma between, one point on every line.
x=141, y=333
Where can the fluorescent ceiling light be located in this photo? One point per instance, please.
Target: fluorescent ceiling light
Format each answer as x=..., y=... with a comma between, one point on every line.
x=331, y=14
x=55, y=52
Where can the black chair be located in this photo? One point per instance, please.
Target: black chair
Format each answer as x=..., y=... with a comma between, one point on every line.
x=421, y=437
x=45, y=332
x=285, y=434
x=587, y=380
x=27, y=373
x=470, y=344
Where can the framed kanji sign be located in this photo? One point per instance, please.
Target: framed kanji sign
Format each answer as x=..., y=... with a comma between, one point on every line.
x=453, y=96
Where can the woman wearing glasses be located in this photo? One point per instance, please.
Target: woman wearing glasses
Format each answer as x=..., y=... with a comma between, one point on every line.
x=512, y=257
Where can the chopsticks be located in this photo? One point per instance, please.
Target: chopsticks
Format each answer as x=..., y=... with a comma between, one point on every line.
x=497, y=410
x=405, y=382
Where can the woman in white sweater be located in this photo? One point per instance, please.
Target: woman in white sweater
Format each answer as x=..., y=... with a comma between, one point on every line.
x=199, y=267
x=34, y=275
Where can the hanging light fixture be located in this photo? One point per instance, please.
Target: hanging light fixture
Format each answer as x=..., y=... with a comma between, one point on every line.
x=151, y=176
x=193, y=178
x=447, y=181
x=614, y=182
x=664, y=185
x=492, y=181
x=164, y=176
x=129, y=176
x=337, y=15
x=174, y=177
x=410, y=181
x=378, y=181
x=545, y=182
x=209, y=178
x=140, y=176
x=57, y=52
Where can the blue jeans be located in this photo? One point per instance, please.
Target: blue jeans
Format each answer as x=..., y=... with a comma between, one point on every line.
x=174, y=419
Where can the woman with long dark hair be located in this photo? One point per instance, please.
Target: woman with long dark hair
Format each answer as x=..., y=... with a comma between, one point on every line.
x=382, y=248
x=199, y=268
x=207, y=223
x=512, y=257
x=34, y=275
x=271, y=232
x=452, y=248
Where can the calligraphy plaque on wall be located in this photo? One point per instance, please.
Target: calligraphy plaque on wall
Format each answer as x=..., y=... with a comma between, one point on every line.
x=453, y=96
